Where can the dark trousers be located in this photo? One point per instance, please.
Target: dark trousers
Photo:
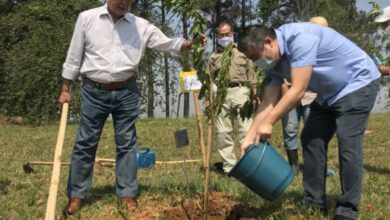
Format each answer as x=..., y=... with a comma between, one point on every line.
x=348, y=118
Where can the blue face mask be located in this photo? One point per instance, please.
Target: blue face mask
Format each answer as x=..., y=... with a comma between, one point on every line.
x=265, y=63
x=225, y=41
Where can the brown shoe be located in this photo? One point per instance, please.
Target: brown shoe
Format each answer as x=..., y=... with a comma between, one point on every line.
x=128, y=203
x=73, y=206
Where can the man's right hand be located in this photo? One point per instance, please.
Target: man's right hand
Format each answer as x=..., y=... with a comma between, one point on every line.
x=248, y=141
x=64, y=97
x=244, y=146
x=65, y=92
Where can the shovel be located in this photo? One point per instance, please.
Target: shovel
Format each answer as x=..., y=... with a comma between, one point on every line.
x=52, y=199
x=104, y=162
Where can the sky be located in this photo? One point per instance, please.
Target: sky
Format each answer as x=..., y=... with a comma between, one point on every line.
x=382, y=96
x=365, y=6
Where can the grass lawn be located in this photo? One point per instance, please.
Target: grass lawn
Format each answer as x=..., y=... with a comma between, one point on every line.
x=165, y=189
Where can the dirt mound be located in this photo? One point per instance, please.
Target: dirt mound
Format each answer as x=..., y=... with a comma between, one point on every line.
x=221, y=206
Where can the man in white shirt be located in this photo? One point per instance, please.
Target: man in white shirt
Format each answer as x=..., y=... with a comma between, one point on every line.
x=384, y=20
x=107, y=45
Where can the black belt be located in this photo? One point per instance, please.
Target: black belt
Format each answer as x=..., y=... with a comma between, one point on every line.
x=111, y=86
x=235, y=84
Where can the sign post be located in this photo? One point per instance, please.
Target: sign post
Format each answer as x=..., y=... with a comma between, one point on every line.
x=189, y=83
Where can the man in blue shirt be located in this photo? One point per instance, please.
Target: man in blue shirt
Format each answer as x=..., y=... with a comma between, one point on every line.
x=321, y=60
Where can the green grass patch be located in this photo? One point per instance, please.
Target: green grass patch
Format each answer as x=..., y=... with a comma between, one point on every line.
x=23, y=196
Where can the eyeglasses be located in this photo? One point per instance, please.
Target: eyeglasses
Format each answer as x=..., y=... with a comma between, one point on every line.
x=121, y=1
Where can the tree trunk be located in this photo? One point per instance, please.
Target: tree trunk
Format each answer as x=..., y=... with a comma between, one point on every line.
x=150, y=83
x=243, y=11
x=217, y=21
x=186, y=67
x=166, y=67
x=166, y=82
x=149, y=61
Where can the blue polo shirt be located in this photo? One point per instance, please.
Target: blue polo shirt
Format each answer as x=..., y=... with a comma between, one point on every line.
x=339, y=66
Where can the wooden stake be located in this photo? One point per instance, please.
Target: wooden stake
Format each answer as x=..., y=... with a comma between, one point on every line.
x=52, y=199
x=177, y=161
x=200, y=128
x=210, y=139
x=45, y=163
x=104, y=160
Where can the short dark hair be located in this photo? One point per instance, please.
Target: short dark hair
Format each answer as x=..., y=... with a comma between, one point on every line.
x=223, y=23
x=253, y=37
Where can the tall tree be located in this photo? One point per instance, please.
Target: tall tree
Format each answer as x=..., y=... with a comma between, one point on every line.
x=146, y=10
x=34, y=45
x=166, y=65
x=150, y=59
x=186, y=67
x=342, y=15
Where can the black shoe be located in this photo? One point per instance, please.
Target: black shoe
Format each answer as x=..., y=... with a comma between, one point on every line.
x=292, y=156
x=342, y=217
x=218, y=168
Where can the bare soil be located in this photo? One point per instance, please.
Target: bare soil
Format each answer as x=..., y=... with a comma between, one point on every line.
x=221, y=206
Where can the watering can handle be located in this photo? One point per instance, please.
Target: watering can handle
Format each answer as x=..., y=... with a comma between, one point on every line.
x=259, y=160
x=145, y=149
x=254, y=145
x=265, y=142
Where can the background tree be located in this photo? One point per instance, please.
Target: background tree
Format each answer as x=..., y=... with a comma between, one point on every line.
x=342, y=15
x=154, y=69
x=146, y=10
x=35, y=35
x=34, y=40
x=164, y=28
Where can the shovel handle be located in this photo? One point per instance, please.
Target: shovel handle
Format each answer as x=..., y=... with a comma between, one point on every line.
x=52, y=199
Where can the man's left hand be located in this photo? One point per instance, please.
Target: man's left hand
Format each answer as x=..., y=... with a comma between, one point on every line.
x=385, y=70
x=187, y=44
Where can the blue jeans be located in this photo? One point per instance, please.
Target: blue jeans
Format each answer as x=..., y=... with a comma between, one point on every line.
x=97, y=104
x=290, y=123
x=348, y=119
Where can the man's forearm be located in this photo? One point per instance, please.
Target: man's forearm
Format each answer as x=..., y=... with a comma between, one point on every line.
x=286, y=103
x=271, y=96
x=300, y=78
x=261, y=113
x=66, y=85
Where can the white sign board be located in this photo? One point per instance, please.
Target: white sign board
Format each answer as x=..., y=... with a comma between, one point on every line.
x=191, y=83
